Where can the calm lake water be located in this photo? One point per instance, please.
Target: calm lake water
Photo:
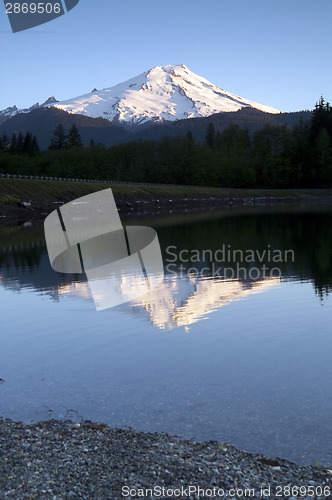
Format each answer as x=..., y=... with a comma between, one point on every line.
x=243, y=358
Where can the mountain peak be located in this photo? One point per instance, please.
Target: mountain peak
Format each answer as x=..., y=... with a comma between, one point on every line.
x=50, y=100
x=12, y=111
x=163, y=93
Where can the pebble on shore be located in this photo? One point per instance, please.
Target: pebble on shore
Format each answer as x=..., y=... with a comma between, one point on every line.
x=63, y=460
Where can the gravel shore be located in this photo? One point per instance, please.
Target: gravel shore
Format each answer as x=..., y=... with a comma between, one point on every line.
x=63, y=460
x=156, y=206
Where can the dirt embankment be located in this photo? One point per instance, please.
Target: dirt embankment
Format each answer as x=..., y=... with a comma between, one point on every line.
x=28, y=199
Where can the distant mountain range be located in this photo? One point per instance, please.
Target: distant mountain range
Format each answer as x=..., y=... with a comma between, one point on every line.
x=13, y=110
x=166, y=100
x=42, y=122
x=162, y=93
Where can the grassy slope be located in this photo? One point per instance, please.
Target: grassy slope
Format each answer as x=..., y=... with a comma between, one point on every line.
x=13, y=191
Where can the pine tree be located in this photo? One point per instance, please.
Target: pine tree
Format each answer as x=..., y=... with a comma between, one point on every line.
x=20, y=141
x=321, y=119
x=74, y=138
x=27, y=143
x=34, y=147
x=323, y=150
x=13, y=144
x=4, y=143
x=190, y=136
x=210, y=138
x=59, y=139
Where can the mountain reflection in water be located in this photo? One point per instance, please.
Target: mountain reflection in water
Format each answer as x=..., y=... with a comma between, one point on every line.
x=256, y=373
x=178, y=301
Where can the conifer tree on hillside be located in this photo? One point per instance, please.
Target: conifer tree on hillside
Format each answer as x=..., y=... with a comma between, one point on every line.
x=13, y=144
x=59, y=139
x=20, y=141
x=210, y=138
x=27, y=143
x=321, y=119
x=4, y=142
x=190, y=136
x=34, y=147
x=74, y=138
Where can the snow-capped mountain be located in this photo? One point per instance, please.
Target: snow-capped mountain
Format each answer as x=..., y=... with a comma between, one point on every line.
x=162, y=93
x=14, y=110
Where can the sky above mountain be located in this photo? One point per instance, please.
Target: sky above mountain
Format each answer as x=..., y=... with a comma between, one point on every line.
x=276, y=53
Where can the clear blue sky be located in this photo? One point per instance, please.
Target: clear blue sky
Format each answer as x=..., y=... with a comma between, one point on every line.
x=277, y=53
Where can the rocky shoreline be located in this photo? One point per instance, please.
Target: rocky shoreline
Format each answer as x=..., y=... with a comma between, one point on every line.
x=33, y=210
x=63, y=460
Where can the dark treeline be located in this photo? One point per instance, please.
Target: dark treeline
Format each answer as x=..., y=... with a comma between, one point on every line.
x=19, y=144
x=274, y=157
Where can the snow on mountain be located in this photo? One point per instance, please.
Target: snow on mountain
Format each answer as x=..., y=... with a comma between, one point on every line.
x=162, y=93
x=13, y=110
